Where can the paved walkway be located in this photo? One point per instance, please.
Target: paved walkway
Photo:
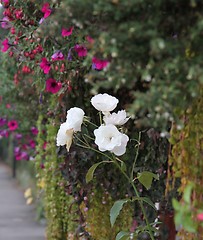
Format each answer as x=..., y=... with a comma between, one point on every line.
x=16, y=218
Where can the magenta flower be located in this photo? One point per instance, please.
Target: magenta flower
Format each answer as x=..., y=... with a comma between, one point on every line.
x=99, y=64
x=18, y=13
x=67, y=32
x=2, y=122
x=90, y=39
x=200, y=216
x=4, y=133
x=52, y=85
x=5, y=44
x=44, y=145
x=32, y=143
x=20, y=155
x=81, y=50
x=12, y=125
x=46, y=10
x=45, y=65
x=5, y=2
x=18, y=136
x=34, y=130
x=58, y=55
x=5, y=23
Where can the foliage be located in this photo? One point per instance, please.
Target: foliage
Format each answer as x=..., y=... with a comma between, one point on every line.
x=153, y=66
x=187, y=145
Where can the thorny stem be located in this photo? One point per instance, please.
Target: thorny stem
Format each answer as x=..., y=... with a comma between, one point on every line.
x=86, y=120
x=130, y=179
x=138, y=196
x=136, y=156
x=100, y=118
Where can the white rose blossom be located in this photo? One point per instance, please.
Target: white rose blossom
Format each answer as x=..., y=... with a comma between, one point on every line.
x=104, y=102
x=73, y=124
x=118, y=118
x=108, y=138
x=75, y=118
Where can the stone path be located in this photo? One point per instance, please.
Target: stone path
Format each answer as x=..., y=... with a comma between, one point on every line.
x=16, y=218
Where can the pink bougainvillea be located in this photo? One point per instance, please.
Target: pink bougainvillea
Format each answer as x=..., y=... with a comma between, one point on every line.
x=52, y=85
x=99, y=64
x=5, y=3
x=67, y=32
x=18, y=13
x=4, y=133
x=46, y=10
x=81, y=50
x=5, y=45
x=34, y=130
x=45, y=65
x=58, y=55
x=32, y=143
x=5, y=23
x=12, y=125
x=2, y=122
x=90, y=39
x=200, y=216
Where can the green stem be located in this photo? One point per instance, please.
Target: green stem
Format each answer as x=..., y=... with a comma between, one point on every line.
x=136, y=156
x=138, y=196
x=86, y=120
x=100, y=118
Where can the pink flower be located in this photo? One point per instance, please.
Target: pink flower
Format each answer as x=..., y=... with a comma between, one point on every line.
x=81, y=50
x=45, y=65
x=200, y=216
x=39, y=48
x=44, y=145
x=5, y=2
x=18, y=13
x=5, y=44
x=90, y=39
x=32, y=143
x=5, y=23
x=8, y=105
x=58, y=55
x=13, y=125
x=18, y=136
x=20, y=155
x=2, y=122
x=99, y=64
x=52, y=85
x=4, y=133
x=67, y=32
x=34, y=130
x=46, y=10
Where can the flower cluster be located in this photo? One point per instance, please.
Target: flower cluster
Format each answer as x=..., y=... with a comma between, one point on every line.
x=107, y=136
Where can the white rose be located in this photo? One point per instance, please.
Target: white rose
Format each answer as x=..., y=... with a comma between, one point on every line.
x=118, y=118
x=73, y=124
x=75, y=118
x=108, y=138
x=104, y=102
x=64, y=136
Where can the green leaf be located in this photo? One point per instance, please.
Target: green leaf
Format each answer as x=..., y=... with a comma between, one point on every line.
x=115, y=210
x=149, y=202
x=189, y=224
x=144, y=199
x=123, y=235
x=187, y=193
x=176, y=204
x=89, y=175
x=123, y=166
x=145, y=178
